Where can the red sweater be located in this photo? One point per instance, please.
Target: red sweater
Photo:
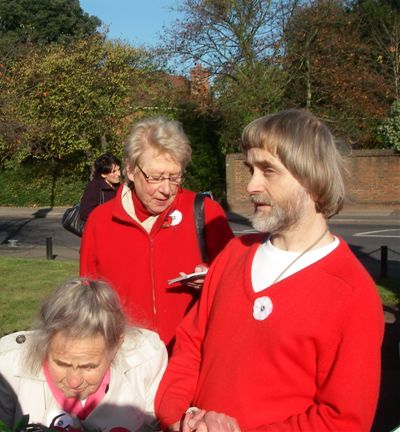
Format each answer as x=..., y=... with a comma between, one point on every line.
x=138, y=264
x=312, y=365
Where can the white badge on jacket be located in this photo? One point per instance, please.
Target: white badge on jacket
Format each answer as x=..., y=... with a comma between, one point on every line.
x=176, y=217
x=63, y=419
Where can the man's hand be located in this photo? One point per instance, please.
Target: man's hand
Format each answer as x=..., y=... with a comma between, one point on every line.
x=211, y=421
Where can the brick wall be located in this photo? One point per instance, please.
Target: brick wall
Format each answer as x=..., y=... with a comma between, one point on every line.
x=373, y=181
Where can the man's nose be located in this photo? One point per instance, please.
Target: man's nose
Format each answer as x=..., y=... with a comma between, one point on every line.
x=255, y=185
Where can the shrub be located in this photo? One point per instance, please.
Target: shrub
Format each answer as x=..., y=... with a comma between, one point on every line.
x=41, y=184
x=389, y=131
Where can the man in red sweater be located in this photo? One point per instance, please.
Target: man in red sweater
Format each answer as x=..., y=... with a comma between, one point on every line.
x=288, y=330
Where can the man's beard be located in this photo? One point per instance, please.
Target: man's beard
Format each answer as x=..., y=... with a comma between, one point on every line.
x=280, y=217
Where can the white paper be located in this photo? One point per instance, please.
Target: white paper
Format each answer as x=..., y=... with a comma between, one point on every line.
x=188, y=277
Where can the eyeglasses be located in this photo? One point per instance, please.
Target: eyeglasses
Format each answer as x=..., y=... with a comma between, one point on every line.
x=176, y=180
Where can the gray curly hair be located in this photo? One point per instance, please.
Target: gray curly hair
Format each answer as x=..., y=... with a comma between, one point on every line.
x=78, y=308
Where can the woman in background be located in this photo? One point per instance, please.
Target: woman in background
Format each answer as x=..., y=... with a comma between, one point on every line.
x=105, y=180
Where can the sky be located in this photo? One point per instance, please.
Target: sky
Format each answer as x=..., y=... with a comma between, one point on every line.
x=138, y=22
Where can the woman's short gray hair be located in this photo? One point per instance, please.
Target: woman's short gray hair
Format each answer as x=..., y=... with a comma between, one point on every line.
x=78, y=308
x=165, y=136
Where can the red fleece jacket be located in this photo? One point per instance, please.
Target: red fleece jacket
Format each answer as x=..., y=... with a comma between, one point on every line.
x=313, y=364
x=117, y=249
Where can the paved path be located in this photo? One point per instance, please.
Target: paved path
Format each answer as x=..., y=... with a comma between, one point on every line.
x=33, y=226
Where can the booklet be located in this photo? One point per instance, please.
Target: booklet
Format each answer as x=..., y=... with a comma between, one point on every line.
x=188, y=277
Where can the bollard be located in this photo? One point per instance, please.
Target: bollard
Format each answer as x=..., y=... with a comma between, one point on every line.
x=49, y=248
x=384, y=261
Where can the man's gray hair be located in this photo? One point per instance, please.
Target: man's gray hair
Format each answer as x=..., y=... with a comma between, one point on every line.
x=79, y=308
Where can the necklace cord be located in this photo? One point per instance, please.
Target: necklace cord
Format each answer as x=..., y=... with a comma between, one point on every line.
x=299, y=256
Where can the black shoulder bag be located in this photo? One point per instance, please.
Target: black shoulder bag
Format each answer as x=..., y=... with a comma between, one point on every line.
x=72, y=221
x=200, y=223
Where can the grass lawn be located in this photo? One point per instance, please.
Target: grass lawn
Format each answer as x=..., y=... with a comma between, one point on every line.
x=389, y=290
x=25, y=282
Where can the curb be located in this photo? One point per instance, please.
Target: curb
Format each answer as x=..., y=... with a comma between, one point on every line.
x=34, y=212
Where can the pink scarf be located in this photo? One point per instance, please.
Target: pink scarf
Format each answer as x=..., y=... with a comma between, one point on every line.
x=72, y=405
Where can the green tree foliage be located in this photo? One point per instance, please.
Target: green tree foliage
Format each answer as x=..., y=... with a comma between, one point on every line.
x=389, y=131
x=207, y=170
x=379, y=26
x=71, y=99
x=10, y=127
x=239, y=42
x=333, y=72
x=259, y=91
x=24, y=23
x=44, y=21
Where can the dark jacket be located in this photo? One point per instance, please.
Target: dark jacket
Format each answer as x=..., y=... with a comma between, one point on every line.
x=97, y=192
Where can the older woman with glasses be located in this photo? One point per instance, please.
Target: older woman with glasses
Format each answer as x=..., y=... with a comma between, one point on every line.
x=147, y=235
x=82, y=367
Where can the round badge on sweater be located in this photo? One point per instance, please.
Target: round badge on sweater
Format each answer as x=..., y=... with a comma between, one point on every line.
x=262, y=308
x=176, y=217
